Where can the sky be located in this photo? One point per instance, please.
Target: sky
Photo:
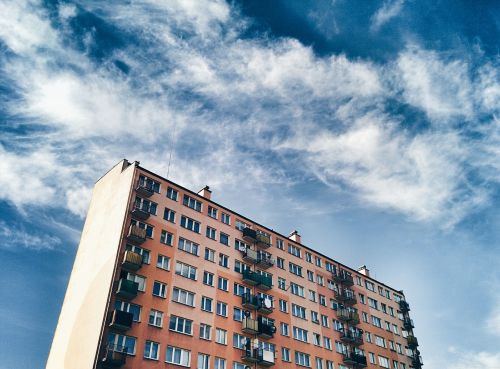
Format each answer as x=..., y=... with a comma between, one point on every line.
x=372, y=127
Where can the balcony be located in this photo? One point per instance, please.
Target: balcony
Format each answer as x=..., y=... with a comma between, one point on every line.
x=356, y=360
x=136, y=234
x=121, y=320
x=416, y=362
x=266, y=330
x=140, y=211
x=258, y=356
x=346, y=296
x=250, y=256
x=114, y=356
x=127, y=289
x=343, y=278
x=354, y=338
x=260, y=281
x=404, y=306
x=263, y=240
x=412, y=342
x=408, y=324
x=253, y=302
x=348, y=316
x=250, y=326
x=264, y=260
x=144, y=188
x=132, y=260
x=249, y=235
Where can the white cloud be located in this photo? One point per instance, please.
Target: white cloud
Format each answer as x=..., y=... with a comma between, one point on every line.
x=255, y=98
x=389, y=10
x=12, y=237
x=474, y=360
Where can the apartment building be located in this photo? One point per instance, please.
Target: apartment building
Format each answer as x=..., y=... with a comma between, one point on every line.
x=166, y=278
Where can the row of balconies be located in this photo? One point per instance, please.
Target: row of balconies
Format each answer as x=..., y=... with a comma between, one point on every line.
x=114, y=356
x=346, y=296
x=349, y=316
x=352, y=337
x=258, y=327
x=416, y=361
x=343, y=277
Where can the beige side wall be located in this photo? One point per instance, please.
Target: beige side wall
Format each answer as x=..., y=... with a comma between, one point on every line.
x=77, y=334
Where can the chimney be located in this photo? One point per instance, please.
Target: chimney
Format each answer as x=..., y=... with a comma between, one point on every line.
x=205, y=192
x=364, y=270
x=295, y=236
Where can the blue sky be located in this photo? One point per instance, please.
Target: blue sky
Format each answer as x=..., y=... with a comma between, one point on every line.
x=371, y=127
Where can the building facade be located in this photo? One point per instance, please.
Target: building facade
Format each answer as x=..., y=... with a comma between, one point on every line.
x=164, y=277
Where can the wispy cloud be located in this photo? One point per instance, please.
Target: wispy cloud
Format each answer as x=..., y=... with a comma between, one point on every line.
x=474, y=360
x=269, y=107
x=389, y=10
x=16, y=236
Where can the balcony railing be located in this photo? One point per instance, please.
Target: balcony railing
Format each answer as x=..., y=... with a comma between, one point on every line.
x=264, y=260
x=346, y=296
x=250, y=326
x=132, y=260
x=260, y=281
x=114, y=356
x=356, y=360
x=412, y=342
x=266, y=330
x=250, y=256
x=144, y=188
x=341, y=276
x=404, y=306
x=254, y=302
x=127, y=289
x=353, y=338
x=140, y=211
x=348, y=316
x=408, y=324
x=259, y=356
x=263, y=240
x=121, y=320
x=416, y=362
x=249, y=235
x=136, y=234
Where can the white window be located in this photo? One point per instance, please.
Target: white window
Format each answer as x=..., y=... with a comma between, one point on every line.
x=383, y=362
x=316, y=339
x=224, y=260
x=221, y=308
x=149, y=183
x=212, y=212
x=183, y=297
x=296, y=289
x=156, y=318
x=145, y=205
x=327, y=343
x=163, y=262
x=299, y=311
x=181, y=325
x=185, y=270
x=119, y=340
x=329, y=364
x=159, y=289
x=319, y=363
x=324, y=321
x=380, y=341
x=371, y=355
x=317, y=261
x=128, y=307
x=221, y=336
x=210, y=254
x=283, y=306
x=284, y=329
x=203, y=361
x=225, y=218
x=151, y=350
x=295, y=269
x=376, y=322
x=310, y=276
x=239, y=341
x=206, y=304
x=190, y=224
x=309, y=257
x=280, y=244
x=178, y=356
x=139, y=250
x=205, y=331
x=312, y=295
x=281, y=283
x=222, y=284
x=169, y=215
x=300, y=334
x=302, y=359
x=294, y=250
x=211, y=233
x=208, y=278
x=224, y=239
x=220, y=363
x=166, y=238
x=172, y=194
x=192, y=203
x=188, y=246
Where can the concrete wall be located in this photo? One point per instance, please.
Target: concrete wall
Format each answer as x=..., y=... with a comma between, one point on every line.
x=79, y=327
